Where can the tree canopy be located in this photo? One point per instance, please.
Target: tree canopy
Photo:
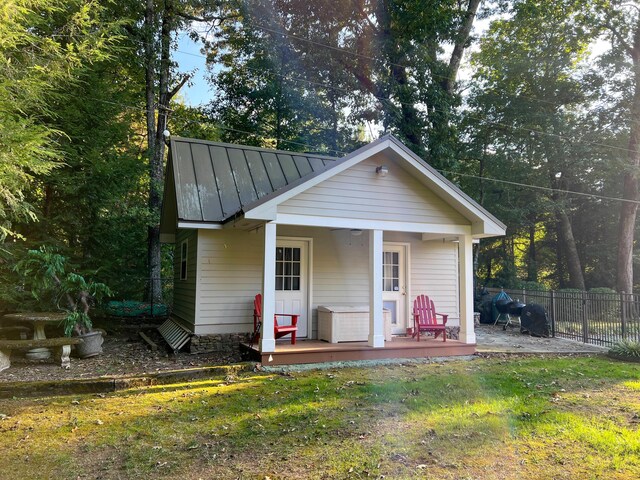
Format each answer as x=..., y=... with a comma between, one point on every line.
x=535, y=113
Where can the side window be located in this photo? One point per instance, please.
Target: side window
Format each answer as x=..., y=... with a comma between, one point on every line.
x=183, y=259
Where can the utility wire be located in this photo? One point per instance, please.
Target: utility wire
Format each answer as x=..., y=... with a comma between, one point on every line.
x=444, y=172
x=398, y=102
x=519, y=184
x=374, y=59
x=539, y=187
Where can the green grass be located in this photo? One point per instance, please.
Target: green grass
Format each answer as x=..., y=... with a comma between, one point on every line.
x=525, y=418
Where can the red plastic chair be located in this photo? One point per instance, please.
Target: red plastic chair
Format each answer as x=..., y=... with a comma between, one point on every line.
x=278, y=330
x=425, y=318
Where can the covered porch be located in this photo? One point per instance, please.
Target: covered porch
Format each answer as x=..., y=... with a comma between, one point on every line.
x=376, y=290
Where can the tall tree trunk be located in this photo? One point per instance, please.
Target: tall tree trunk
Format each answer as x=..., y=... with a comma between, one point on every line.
x=462, y=40
x=153, y=151
x=629, y=210
x=576, y=279
x=156, y=125
x=532, y=262
x=560, y=270
x=408, y=121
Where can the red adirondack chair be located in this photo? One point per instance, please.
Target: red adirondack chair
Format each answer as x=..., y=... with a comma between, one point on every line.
x=425, y=318
x=279, y=330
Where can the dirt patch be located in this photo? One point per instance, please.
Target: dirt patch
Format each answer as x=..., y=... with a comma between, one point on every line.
x=124, y=354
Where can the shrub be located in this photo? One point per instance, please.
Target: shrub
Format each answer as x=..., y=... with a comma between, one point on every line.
x=626, y=348
x=605, y=290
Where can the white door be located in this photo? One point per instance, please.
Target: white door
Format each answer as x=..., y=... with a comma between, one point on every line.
x=394, y=285
x=292, y=282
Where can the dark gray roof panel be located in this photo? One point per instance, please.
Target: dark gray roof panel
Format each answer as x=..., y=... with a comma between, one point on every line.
x=214, y=181
x=242, y=176
x=303, y=165
x=274, y=170
x=258, y=173
x=289, y=168
x=226, y=183
x=187, y=187
x=316, y=163
x=207, y=189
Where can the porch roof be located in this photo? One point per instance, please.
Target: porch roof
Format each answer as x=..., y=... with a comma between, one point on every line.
x=214, y=181
x=210, y=183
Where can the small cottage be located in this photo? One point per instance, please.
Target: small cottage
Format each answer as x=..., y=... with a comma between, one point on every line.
x=346, y=244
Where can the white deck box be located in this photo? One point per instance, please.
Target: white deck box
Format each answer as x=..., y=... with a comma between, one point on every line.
x=348, y=323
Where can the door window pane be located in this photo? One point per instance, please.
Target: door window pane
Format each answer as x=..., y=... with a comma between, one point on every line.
x=392, y=305
x=288, y=269
x=391, y=271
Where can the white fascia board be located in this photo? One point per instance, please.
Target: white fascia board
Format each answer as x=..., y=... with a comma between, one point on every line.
x=483, y=223
x=267, y=211
x=390, y=226
x=199, y=225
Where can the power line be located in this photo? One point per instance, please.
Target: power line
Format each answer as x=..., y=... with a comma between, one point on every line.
x=442, y=171
x=447, y=172
x=539, y=187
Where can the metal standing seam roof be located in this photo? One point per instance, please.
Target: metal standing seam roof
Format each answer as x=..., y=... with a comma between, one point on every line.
x=214, y=181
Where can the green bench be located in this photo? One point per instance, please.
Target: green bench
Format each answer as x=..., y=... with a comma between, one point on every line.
x=61, y=349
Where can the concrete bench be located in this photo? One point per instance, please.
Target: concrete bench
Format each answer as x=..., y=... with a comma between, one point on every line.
x=61, y=346
x=23, y=332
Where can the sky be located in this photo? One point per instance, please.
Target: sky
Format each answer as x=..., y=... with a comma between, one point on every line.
x=190, y=59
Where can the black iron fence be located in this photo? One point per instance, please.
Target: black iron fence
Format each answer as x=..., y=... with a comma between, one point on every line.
x=589, y=317
x=142, y=297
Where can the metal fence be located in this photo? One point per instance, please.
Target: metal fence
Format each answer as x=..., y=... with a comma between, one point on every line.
x=142, y=297
x=588, y=317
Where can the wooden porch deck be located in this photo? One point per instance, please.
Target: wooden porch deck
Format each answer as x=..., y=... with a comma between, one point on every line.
x=317, y=351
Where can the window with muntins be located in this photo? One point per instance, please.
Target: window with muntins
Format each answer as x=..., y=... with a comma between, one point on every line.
x=287, y=268
x=390, y=271
x=183, y=260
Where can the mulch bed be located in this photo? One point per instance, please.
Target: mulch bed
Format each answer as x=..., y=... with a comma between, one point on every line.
x=124, y=354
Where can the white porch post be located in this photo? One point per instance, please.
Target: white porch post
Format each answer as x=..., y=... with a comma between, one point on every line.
x=267, y=338
x=376, y=327
x=465, y=274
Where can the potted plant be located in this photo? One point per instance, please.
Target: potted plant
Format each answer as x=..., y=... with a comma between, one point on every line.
x=45, y=272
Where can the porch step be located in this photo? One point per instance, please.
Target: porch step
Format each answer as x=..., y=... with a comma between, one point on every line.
x=311, y=351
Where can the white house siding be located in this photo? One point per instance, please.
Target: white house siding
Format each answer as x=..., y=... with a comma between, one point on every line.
x=434, y=272
x=229, y=276
x=340, y=267
x=184, y=291
x=230, y=273
x=359, y=193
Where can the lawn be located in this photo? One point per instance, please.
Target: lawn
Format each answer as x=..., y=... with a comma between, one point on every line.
x=528, y=417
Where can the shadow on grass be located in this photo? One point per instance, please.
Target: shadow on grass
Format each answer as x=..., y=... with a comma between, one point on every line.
x=379, y=420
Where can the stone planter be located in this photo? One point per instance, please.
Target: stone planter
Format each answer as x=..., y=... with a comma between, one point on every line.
x=91, y=345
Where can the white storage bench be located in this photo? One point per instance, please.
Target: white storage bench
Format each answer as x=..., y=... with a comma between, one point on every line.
x=348, y=323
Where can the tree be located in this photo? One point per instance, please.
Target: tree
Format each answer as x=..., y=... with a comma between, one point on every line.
x=621, y=21
x=379, y=61
x=162, y=20
x=529, y=88
x=45, y=44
